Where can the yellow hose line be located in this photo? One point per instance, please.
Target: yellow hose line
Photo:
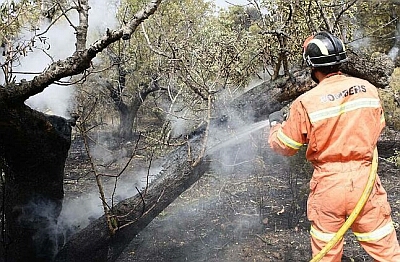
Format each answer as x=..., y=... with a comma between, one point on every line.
x=360, y=204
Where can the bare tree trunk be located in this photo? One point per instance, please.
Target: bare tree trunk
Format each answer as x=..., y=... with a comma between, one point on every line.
x=128, y=110
x=34, y=153
x=126, y=119
x=128, y=113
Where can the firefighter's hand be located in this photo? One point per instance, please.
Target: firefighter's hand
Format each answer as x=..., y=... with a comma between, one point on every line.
x=276, y=117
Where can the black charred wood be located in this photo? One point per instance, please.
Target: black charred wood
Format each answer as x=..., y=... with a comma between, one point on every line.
x=34, y=148
x=177, y=175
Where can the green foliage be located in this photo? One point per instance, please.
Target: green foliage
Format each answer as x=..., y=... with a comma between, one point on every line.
x=376, y=21
x=193, y=52
x=278, y=29
x=14, y=15
x=191, y=49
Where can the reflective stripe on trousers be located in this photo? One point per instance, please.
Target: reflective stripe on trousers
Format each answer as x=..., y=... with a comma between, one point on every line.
x=370, y=236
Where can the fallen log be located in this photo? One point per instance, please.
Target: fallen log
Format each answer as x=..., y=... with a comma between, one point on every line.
x=95, y=243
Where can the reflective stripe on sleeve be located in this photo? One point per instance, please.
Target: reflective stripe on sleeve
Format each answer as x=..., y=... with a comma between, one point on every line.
x=326, y=237
x=345, y=107
x=287, y=140
x=377, y=234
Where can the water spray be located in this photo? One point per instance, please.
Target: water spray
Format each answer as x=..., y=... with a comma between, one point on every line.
x=238, y=136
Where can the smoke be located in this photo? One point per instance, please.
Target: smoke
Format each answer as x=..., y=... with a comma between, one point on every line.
x=360, y=41
x=102, y=15
x=183, y=120
x=261, y=77
x=215, y=210
x=40, y=215
x=393, y=52
x=78, y=211
x=59, y=43
x=55, y=99
x=107, y=149
x=233, y=141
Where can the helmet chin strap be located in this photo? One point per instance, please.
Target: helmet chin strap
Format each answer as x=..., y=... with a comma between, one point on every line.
x=313, y=77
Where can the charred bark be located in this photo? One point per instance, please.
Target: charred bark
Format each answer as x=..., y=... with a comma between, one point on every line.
x=34, y=148
x=376, y=68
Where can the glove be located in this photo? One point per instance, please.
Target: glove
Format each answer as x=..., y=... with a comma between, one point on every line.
x=276, y=117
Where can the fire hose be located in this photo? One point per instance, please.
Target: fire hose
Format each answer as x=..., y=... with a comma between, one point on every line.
x=357, y=209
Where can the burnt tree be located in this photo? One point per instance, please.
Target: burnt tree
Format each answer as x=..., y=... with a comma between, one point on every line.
x=34, y=150
x=95, y=243
x=34, y=147
x=185, y=165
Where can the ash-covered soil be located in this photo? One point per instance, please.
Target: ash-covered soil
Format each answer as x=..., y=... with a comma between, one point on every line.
x=242, y=217
x=251, y=208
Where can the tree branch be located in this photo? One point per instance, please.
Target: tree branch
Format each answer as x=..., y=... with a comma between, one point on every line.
x=75, y=64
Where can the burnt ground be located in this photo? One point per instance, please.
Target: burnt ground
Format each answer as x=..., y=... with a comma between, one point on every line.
x=249, y=210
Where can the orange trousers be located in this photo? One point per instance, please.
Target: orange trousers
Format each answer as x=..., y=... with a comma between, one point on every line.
x=333, y=197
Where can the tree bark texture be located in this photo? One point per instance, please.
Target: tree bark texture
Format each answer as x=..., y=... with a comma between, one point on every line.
x=34, y=148
x=95, y=243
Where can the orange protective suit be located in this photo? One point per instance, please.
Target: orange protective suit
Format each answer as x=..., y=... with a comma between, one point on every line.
x=340, y=120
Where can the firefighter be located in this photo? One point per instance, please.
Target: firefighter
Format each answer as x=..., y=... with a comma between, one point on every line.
x=340, y=121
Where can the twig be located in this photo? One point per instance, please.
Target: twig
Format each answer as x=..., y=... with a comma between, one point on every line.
x=110, y=222
x=123, y=170
x=158, y=52
x=148, y=174
x=144, y=203
x=143, y=214
x=344, y=9
x=262, y=239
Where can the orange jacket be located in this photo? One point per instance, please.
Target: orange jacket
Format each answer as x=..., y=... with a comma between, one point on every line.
x=340, y=119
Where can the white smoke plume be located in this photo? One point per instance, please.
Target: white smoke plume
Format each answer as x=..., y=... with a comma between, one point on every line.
x=79, y=211
x=59, y=43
